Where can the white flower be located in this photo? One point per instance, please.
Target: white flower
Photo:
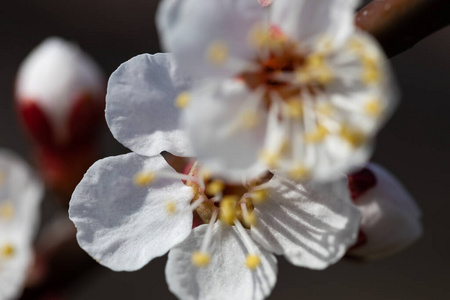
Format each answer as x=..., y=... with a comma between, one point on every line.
x=390, y=217
x=130, y=209
x=20, y=195
x=124, y=226
x=292, y=86
x=57, y=85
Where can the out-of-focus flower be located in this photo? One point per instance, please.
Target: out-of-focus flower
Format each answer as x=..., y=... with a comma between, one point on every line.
x=292, y=86
x=20, y=195
x=60, y=99
x=265, y=2
x=390, y=217
x=132, y=208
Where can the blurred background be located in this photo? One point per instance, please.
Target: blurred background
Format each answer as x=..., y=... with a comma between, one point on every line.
x=414, y=146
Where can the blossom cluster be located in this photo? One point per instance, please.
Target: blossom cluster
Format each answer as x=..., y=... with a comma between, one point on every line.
x=272, y=101
x=20, y=195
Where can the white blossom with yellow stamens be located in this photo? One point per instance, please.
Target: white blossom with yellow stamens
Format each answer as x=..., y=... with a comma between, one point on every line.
x=20, y=195
x=329, y=83
x=124, y=221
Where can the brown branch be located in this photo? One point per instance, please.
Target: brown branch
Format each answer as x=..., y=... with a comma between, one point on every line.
x=400, y=24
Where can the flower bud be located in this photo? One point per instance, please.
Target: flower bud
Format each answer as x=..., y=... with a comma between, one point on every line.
x=59, y=93
x=60, y=97
x=390, y=217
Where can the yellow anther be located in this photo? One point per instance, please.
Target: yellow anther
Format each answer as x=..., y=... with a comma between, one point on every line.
x=250, y=119
x=7, y=250
x=259, y=196
x=200, y=259
x=216, y=187
x=354, y=137
x=371, y=69
x=218, y=53
x=228, y=209
x=371, y=75
x=298, y=172
x=315, y=61
x=144, y=179
x=324, y=75
x=303, y=75
x=206, y=174
x=183, y=100
x=6, y=210
x=326, y=43
x=171, y=207
x=356, y=45
x=259, y=36
x=295, y=108
x=324, y=108
x=317, y=135
x=252, y=261
x=373, y=107
x=270, y=158
x=250, y=219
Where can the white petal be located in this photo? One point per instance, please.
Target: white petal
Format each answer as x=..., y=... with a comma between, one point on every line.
x=308, y=21
x=215, y=121
x=226, y=277
x=123, y=226
x=390, y=217
x=13, y=270
x=21, y=190
x=311, y=225
x=188, y=28
x=140, y=105
x=349, y=93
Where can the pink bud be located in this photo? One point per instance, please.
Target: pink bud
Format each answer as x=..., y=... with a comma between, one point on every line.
x=390, y=217
x=59, y=93
x=60, y=97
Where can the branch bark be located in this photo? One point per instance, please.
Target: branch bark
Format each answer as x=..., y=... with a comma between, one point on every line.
x=400, y=24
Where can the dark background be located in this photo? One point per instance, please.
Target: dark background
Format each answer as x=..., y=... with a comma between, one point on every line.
x=414, y=146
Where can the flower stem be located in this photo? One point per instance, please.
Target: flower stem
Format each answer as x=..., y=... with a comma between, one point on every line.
x=400, y=24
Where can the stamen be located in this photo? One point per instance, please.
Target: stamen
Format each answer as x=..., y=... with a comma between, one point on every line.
x=183, y=100
x=215, y=187
x=171, y=207
x=373, y=107
x=196, y=203
x=354, y=137
x=6, y=210
x=298, y=172
x=270, y=159
x=201, y=258
x=324, y=108
x=371, y=70
x=7, y=251
x=228, y=209
x=259, y=196
x=218, y=53
x=144, y=179
x=252, y=261
x=295, y=108
x=250, y=119
x=316, y=136
x=249, y=217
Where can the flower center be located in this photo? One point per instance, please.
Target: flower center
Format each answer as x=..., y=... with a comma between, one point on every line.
x=234, y=202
